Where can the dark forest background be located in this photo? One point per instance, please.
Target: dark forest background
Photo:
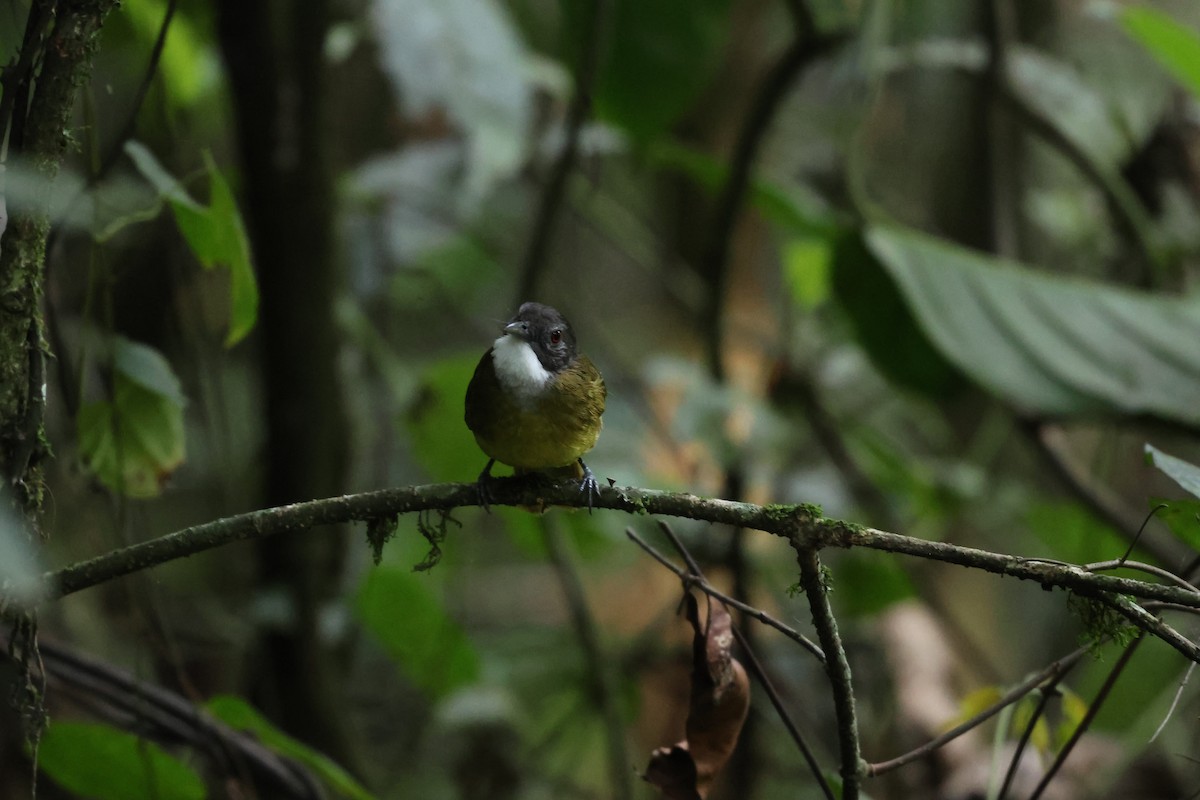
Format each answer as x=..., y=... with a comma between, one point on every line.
x=931, y=265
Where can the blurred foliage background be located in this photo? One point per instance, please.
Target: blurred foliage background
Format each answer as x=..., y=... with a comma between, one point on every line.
x=931, y=265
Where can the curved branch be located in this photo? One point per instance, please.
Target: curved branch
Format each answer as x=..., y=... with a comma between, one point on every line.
x=802, y=525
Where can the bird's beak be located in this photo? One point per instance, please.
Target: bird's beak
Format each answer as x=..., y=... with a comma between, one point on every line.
x=518, y=329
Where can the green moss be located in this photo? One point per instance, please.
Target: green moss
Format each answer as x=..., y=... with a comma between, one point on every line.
x=813, y=510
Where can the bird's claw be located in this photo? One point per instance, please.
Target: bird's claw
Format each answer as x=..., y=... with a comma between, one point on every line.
x=482, y=489
x=590, y=485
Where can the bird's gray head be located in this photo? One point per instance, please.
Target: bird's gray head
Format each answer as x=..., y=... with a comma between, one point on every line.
x=547, y=332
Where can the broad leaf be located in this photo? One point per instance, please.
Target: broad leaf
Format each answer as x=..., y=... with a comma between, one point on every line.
x=215, y=233
x=1176, y=46
x=884, y=324
x=237, y=713
x=134, y=441
x=404, y=614
x=103, y=763
x=1047, y=344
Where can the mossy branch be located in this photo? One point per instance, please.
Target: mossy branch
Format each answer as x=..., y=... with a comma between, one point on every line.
x=802, y=525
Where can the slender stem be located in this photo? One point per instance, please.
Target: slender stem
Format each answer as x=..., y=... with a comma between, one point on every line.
x=599, y=675
x=700, y=583
x=756, y=669
x=836, y=665
x=1086, y=722
x=1051, y=673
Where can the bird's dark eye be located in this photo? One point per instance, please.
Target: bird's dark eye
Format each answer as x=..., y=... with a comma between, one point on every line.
x=556, y=336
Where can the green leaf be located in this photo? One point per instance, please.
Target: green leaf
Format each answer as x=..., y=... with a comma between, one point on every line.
x=103, y=763
x=1176, y=46
x=218, y=237
x=1044, y=343
x=402, y=612
x=660, y=56
x=1182, y=472
x=806, y=267
x=883, y=323
x=215, y=233
x=237, y=713
x=133, y=442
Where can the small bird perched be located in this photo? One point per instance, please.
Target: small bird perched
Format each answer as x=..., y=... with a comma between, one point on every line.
x=534, y=403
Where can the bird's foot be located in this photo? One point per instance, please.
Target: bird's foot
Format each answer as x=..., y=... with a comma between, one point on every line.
x=483, y=489
x=590, y=485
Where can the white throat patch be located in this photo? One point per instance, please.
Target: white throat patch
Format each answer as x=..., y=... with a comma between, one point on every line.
x=518, y=368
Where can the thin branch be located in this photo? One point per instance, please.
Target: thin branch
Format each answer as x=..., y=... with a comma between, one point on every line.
x=800, y=524
x=577, y=114
x=700, y=583
x=838, y=668
x=1086, y=722
x=599, y=675
x=756, y=668
x=1123, y=563
x=1051, y=673
x=1048, y=691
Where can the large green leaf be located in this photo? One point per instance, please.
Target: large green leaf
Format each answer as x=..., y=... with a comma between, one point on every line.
x=215, y=233
x=660, y=55
x=237, y=713
x=1176, y=46
x=405, y=615
x=1047, y=344
x=103, y=763
x=884, y=324
x=134, y=441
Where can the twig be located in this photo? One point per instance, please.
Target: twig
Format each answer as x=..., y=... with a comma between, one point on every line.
x=1086, y=722
x=700, y=583
x=1052, y=673
x=756, y=668
x=1174, y=701
x=552, y=198
x=1124, y=563
x=1048, y=691
x=836, y=666
x=599, y=676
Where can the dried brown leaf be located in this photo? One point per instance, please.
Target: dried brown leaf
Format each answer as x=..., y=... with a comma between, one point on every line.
x=720, y=699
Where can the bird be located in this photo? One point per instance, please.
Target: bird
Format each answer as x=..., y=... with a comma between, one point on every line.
x=535, y=403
